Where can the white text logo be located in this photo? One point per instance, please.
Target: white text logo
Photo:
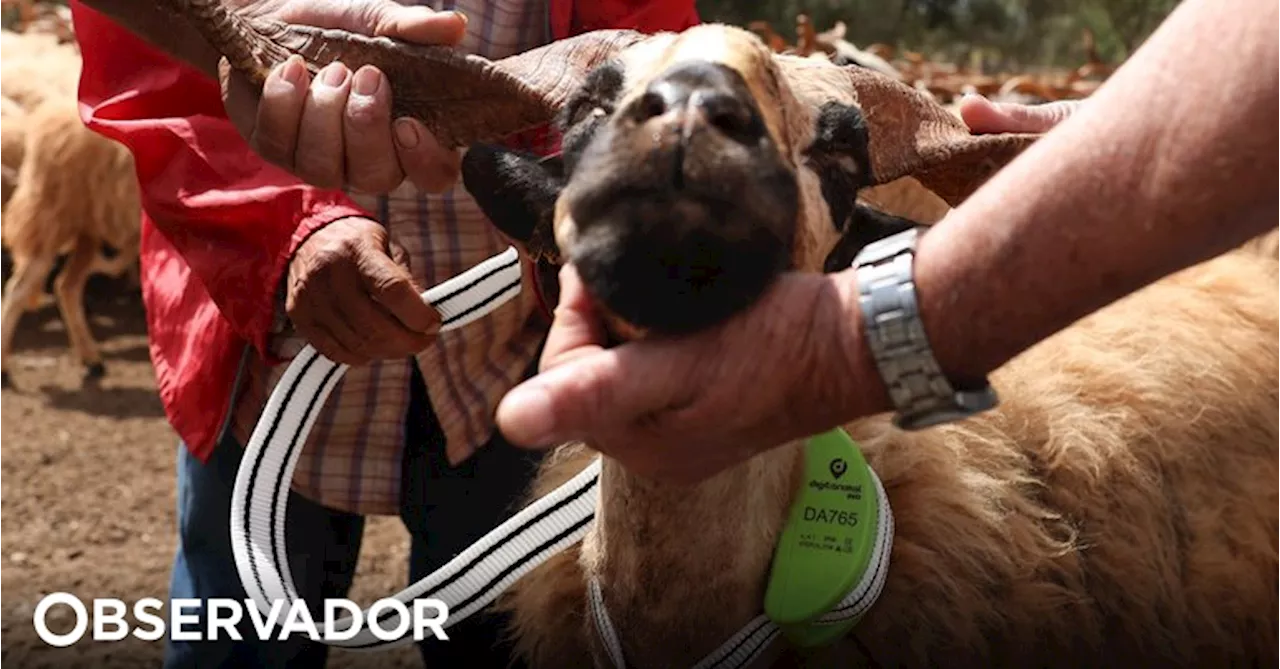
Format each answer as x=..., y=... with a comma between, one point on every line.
x=387, y=620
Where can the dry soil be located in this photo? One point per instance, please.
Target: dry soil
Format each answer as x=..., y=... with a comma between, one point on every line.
x=87, y=491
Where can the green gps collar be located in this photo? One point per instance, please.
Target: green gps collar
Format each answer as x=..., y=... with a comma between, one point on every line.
x=829, y=542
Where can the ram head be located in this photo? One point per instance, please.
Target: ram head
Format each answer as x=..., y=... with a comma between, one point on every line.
x=695, y=167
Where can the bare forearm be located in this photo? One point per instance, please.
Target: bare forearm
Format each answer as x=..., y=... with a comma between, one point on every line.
x=1171, y=163
x=152, y=21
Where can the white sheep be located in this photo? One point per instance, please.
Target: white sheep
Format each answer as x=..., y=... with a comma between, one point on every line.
x=75, y=191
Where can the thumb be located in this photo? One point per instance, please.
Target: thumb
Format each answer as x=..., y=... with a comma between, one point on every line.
x=576, y=329
x=563, y=403
x=594, y=393
x=380, y=18
x=411, y=23
x=399, y=255
x=984, y=116
x=389, y=283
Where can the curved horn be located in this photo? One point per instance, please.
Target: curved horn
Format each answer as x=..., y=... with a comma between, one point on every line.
x=908, y=132
x=461, y=98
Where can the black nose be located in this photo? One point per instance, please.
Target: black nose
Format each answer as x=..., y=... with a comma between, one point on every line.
x=696, y=94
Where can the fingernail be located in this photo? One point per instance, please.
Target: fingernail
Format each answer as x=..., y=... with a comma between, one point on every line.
x=461, y=17
x=407, y=133
x=366, y=81
x=292, y=70
x=334, y=74
x=527, y=415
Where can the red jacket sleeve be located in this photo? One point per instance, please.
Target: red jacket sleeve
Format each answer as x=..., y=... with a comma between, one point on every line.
x=234, y=218
x=646, y=16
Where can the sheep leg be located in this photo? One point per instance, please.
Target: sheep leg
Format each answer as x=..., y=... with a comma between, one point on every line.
x=68, y=288
x=117, y=265
x=26, y=283
x=123, y=264
x=38, y=299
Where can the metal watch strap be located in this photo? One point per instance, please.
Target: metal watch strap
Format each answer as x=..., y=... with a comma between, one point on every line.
x=920, y=392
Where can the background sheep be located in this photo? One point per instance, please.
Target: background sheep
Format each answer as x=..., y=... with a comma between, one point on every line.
x=67, y=190
x=12, y=116
x=35, y=66
x=76, y=191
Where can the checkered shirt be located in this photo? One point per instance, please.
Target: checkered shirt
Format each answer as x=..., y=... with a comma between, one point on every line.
x=351, y=460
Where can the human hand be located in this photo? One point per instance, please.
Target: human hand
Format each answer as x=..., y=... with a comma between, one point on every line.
x=684, y=409
x=984, y=116
x=350, y=295
x=336, y=130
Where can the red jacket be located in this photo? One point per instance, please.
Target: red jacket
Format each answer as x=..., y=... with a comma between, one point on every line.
x=219, y=223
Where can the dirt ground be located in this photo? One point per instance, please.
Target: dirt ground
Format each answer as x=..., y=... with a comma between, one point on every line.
x=87, y=491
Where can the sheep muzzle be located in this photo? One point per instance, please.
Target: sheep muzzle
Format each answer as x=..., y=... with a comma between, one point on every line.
x=681, y=209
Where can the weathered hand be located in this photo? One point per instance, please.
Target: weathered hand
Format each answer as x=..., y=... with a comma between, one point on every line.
x=684, y=409
x=336, y=130
x=350, y=295
x=984, y=116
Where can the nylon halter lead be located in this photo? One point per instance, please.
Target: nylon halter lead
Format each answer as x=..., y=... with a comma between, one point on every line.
x=482, y=572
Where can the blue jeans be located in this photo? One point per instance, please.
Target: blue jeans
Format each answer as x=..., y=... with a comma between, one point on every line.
x=445, y=509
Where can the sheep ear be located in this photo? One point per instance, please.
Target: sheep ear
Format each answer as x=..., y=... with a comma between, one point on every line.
x=907, y=133
x=864, y=226
x=517, y=192
x=840, y=155
x=461, y=98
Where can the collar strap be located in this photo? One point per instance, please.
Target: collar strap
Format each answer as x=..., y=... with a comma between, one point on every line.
x=868, y=562
x=467, y=583
x=482, y=572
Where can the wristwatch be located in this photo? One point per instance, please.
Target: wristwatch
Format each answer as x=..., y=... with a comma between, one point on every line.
x=922, y=395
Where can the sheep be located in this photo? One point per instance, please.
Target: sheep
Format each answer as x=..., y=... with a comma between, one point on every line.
x=41, y=71
x=35, y=66
x=12, y=116
x=1058, y=517
x=12, y=148
x=48, y=18
x=1119, y=505
x=76, y=191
